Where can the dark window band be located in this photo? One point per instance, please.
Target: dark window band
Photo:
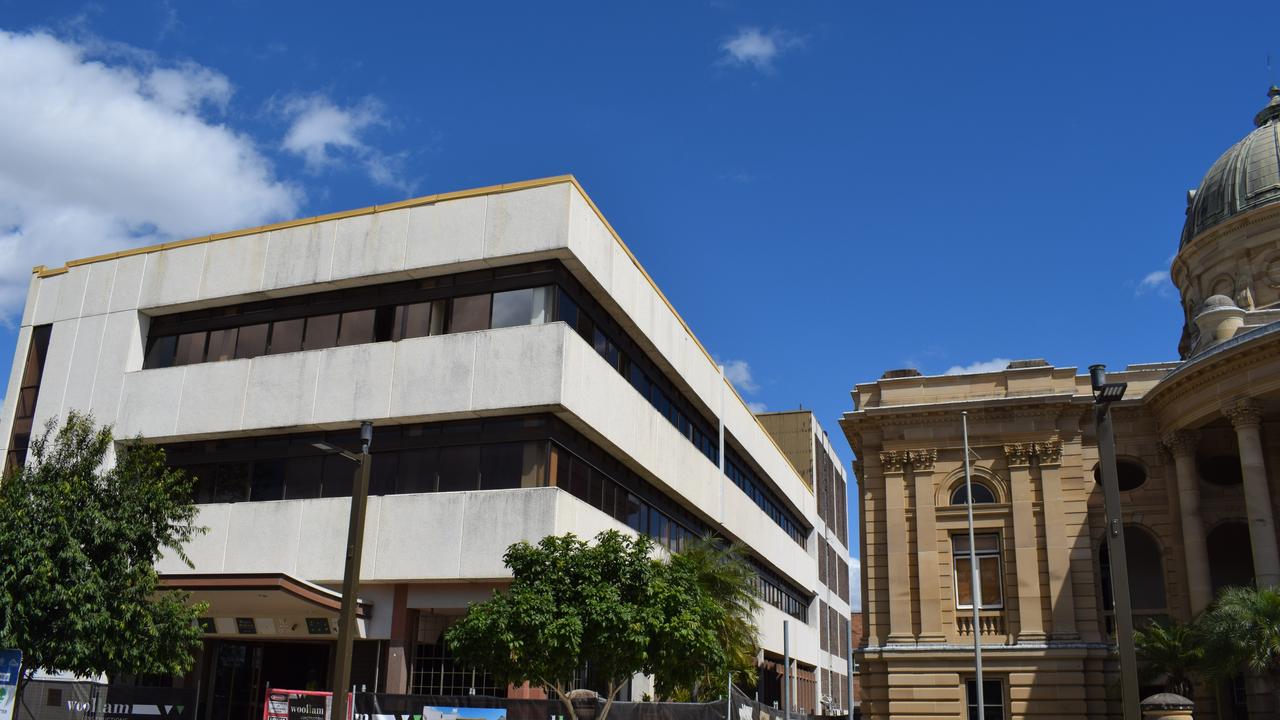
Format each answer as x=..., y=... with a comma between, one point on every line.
x=534, y=293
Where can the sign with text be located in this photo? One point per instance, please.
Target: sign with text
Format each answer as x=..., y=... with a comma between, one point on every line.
x=297, y=705
x=10, y=669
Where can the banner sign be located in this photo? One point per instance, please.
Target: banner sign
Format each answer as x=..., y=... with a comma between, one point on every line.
x=148, y=703
x=297, y=705
x=10, y=669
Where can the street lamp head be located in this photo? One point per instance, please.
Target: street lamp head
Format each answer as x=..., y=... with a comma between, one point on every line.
x=366, y=436
x=326, y=447
x=1103, y=391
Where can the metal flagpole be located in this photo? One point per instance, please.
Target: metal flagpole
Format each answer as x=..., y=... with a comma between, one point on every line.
x=786, y=669
x=975, y=581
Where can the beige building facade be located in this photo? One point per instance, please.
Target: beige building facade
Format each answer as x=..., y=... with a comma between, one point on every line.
x=1198, y=443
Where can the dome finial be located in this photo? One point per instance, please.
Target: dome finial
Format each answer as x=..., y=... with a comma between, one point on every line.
x=1272, y=109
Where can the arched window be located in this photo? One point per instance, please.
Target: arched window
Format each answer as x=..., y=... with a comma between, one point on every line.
x=1230, y=556
x=1146, y=573
x=981, y=495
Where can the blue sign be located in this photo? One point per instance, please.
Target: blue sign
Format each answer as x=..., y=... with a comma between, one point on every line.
x=10, y=668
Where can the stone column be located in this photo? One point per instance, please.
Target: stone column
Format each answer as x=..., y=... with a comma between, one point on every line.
x=1048, y=457
x=895, y=529
x=1182, y=445
x=927, y=547
x=1026, y=554
x=1246, y=417
x=1167, y=706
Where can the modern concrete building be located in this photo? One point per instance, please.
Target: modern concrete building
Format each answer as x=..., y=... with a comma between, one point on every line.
x=525, y=377
x=1198, y=442
x=809, y=449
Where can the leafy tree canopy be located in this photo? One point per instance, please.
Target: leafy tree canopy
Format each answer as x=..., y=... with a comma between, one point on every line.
x=610, y=606
x=81, y=536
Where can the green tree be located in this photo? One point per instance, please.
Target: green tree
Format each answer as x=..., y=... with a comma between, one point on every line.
x=570, y=605
x=1242, y=631
x=1174, y=650
x=78, y=586
x=722, y=602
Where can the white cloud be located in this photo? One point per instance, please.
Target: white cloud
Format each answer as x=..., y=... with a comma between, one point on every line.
x=739, y=373
x=1156, y=281
x=855, y=584
x=981, y=366
x=757, y=48
x=106, y=150
x=326, y=135
x=757, y=407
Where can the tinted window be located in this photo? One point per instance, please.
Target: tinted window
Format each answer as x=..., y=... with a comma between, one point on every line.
x=190, y=348
x=501, y=466
x=268, y=480
x=286, y=336
x=413, y=320
x=417, y=471
x=382, y=476
x=512, y=308
x=252, y=341
x=469, y=313
x=321, y=332
x=160, y=354
x=302, y=478
x=222, y=344
x=337, y=476
x=357, y=327
x=981, y=494
x=459, y=468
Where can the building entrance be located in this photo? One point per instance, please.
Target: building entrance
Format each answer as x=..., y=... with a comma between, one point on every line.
x=241, y=672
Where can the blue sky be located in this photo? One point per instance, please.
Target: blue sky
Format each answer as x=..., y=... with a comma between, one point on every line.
x=825, y=190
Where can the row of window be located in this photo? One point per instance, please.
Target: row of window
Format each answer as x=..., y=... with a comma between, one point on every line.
x=748, y=483
x=780, y=594
x=509, y=308
x=694, y=430
x=505, y=297
x=494, y=454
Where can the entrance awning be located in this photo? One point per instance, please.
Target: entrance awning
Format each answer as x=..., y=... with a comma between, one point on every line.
x=267, y=604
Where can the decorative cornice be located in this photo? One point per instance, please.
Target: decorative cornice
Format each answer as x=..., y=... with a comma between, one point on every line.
x=1243, y=413
x=1040, y=451
x=858, y=469
x=923, y=459
x=1181, y=443
x=899, y=460
x=894, y=460
x=1017, y=453
x=1047, y=451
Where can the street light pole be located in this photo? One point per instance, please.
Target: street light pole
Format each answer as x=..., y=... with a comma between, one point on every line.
x=351, y=573
x=1103, y=395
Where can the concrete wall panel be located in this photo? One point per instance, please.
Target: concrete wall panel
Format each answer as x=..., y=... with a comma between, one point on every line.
x=282, y=390
x=84, y=365
x=149, y=402
x=433, y=375
x=126, y=286
x=212, y=397
x=526, y=221
x=518, y=367
x=234, y=266
x=121, y=352
x=298, y=256
x=445, y=233
x=71, y=294
x=354, y=384
x=173, y=276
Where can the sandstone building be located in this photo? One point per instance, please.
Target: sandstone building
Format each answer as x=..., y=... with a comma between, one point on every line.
x=1198, y=442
